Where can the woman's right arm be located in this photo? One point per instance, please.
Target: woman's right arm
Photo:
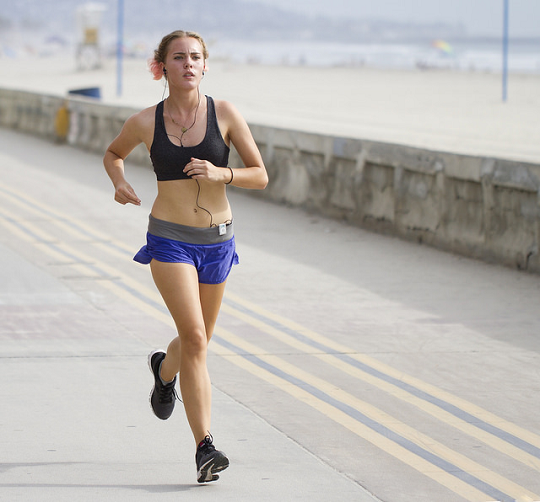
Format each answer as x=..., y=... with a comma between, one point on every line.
x=131, y=135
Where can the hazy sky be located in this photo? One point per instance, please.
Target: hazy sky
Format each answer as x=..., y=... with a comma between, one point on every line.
x=480, y=17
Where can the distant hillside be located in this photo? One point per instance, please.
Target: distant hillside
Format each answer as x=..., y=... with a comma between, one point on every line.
x=225, y=19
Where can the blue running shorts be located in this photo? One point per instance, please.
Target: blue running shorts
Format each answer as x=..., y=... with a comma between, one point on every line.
x=210, y=250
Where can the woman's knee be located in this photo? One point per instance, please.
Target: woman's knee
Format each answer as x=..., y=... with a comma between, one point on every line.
x=195, y=342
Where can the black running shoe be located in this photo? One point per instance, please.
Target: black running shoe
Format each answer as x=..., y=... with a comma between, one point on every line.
x=163, y=395
x=209, y=461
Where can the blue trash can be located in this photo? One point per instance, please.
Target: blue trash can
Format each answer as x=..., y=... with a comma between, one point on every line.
x=90, y=92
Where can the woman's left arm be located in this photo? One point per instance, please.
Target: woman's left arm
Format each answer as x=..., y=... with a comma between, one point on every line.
x=253, y=175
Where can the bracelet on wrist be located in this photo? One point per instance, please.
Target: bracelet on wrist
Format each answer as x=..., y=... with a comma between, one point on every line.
x=232, y=176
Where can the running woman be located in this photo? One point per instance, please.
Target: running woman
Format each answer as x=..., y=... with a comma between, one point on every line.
x=190, y=240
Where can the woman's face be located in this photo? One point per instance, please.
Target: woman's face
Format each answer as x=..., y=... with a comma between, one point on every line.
x=185, y=61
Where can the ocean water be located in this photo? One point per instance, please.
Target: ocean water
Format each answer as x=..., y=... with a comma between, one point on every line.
x=485, y=57
x=524, y=57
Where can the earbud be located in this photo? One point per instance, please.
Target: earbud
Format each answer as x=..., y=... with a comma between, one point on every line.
x=165, y=71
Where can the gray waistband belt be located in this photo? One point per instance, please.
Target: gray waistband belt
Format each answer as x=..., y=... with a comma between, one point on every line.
x=191, y=235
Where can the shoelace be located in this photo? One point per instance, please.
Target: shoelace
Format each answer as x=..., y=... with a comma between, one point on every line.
x=167, y=393
x=206, y=445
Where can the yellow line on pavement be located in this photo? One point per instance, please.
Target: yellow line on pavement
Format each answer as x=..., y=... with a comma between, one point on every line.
x=423, y=466
x=59, y=250
x=333, y=346
x=470, y=493
x=84, y=232
x=398, y=393
x=404, y=430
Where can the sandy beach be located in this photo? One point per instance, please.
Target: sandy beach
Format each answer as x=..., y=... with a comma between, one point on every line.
x=460, y=112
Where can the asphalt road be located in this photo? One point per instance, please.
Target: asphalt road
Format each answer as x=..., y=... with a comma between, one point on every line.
x=346, y=365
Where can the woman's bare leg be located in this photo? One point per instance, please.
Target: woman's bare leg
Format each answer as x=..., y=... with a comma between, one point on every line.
x=194, y=308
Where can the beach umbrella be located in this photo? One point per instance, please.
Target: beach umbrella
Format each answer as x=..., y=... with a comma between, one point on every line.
x=444, y=47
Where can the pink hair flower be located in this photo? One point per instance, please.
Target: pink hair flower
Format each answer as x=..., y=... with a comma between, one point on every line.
x=155, y=68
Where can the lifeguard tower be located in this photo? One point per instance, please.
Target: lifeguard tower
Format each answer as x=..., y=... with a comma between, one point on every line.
x=88, y=23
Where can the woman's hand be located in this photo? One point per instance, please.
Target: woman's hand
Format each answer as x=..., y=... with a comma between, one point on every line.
x=137, y=129
x=204, y=170
x=124, y=194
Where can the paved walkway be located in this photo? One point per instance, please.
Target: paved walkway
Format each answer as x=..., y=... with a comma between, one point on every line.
x=346, y=365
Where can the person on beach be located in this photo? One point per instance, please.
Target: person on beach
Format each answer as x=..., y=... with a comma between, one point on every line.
x=190, y=240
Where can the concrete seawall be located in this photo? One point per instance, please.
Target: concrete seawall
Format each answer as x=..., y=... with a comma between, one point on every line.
x=480, y=207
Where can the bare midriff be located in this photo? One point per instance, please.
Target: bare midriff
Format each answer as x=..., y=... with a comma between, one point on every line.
x=177, y=202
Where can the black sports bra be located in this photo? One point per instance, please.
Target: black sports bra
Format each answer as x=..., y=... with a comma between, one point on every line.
x=169, y=159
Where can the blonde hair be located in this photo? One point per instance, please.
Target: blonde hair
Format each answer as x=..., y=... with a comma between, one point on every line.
x=160, y=54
